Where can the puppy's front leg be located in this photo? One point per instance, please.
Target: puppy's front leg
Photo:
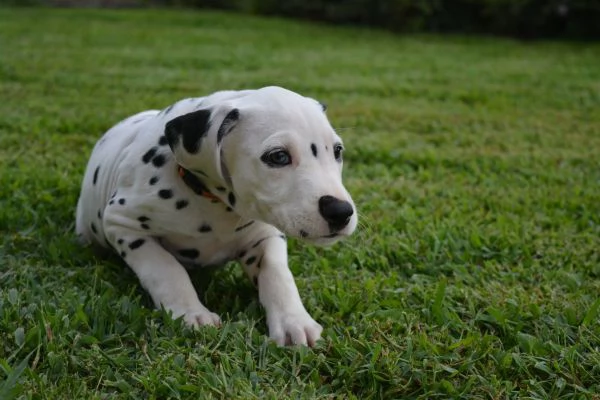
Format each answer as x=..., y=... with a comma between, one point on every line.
x=162, y=276
x=288, y=321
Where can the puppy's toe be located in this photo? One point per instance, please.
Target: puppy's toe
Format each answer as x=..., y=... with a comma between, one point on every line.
x=202, y=318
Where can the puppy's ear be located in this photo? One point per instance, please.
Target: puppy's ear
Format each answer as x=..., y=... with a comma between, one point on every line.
x=229, y=122
x=190, y=129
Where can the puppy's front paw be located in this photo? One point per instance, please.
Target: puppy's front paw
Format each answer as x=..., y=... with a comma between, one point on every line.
x=294, y=328
x=198, y=317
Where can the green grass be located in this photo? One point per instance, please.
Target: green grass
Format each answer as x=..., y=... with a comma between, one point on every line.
x=475, y=163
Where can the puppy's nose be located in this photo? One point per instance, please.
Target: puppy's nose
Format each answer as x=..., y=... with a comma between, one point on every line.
x=336, y=212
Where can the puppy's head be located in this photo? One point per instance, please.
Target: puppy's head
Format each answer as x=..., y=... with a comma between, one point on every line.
x=276, y=154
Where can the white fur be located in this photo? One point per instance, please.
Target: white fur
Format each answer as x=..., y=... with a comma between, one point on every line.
x=284, y=199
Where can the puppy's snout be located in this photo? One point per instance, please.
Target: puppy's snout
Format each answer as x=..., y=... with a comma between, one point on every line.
x=336, y=212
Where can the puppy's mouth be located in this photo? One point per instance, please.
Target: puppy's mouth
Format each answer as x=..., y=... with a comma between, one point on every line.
x=324, y=240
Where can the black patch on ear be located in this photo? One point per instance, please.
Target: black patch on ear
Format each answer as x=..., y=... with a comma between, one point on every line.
x=191, y=128
x=313, y=147
x=228, y=124
x=96, y=175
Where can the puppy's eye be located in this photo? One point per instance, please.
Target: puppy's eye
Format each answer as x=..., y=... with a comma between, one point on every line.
x=337, y=151
x=276, y=158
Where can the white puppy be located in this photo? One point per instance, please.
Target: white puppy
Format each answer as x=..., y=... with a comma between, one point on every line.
x=218, y=178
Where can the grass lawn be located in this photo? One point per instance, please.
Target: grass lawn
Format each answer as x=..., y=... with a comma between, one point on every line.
x=475, y=164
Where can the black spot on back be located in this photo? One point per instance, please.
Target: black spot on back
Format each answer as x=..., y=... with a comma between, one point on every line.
x=143, y=218
x=159, y=160
x=149, y=154
x=162, y=141
x=111, y=202
x=205, y=228
x=231, y=198
x=136, y=244
x=189, y=253
x=181, y=204
x=122, y=201
x=96, y=175
x=313, y=147
x=165, y=193
x=153, y=180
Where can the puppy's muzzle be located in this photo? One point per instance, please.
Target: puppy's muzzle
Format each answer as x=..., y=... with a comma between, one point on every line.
x=336, y=212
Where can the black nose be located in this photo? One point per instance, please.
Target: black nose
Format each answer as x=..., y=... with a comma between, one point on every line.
x=336, y=212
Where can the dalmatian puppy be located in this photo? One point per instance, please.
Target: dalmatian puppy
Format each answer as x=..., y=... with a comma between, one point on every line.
x=213, y=179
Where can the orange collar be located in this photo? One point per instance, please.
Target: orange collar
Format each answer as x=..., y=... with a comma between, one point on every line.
x=195, y=184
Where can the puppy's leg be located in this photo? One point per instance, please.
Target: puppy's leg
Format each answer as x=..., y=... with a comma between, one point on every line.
x=288, y=320
x=162, y=276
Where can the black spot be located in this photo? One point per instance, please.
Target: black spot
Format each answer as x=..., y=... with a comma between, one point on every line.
x=313, y=147
x=111, y=202
x=244, y=226
x=165, y=193
x=241, y=254
x=120, y=241
x=99, y=214
x=149, y=154
x=228, y=209
x=143, y=218
x=96, y=175
x=259, y=242
x=145, y=226
x=323, y=106
x=255, y=280
x=250, y=260
x=259, y=264
x=162, y=141
x=189, y=253
x=93, y=228
x=303, y=233
x=122, y=201
x=123, y=254
x=153, y=180
x=136, y=244
x=205, y=228
x=193, y=182
x=191, y=128
x=221, y=189
x=181, y=204
x=113, y=195
x=231, y=199
x=283, y=237
x=159, y=160
x=228, y=124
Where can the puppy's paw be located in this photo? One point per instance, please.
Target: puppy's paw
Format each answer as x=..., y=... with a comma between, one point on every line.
x=198, y=317
x=294, y=329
